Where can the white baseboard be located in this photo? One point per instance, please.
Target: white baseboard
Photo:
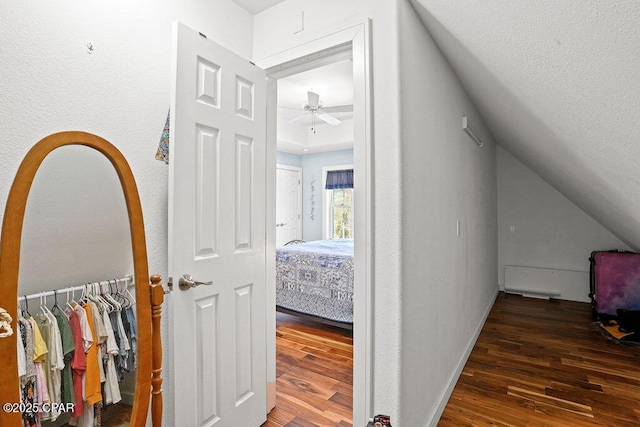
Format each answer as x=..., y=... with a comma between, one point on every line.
x=444, y=399
x=539, y=282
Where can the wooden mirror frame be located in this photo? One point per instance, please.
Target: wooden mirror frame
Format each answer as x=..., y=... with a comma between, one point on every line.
x=148, y=365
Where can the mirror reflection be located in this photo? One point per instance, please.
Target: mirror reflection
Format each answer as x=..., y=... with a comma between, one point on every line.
x=77, y=307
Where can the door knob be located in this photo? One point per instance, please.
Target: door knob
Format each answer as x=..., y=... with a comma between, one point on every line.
x=186, y=282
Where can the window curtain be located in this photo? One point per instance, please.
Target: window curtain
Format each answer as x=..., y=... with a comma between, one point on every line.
x=339, y=179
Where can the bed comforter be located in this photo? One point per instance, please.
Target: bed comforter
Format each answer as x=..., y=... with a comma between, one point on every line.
x=316, y=278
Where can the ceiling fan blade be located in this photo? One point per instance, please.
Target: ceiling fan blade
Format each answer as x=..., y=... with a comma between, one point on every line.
x=313, y=99
x=328, y=118
x=338, y=109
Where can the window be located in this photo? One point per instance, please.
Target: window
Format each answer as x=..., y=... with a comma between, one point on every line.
x=338, y=202
x=341, y=213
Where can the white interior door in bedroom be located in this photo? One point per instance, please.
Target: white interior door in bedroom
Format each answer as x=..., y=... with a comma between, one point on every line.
x=288, y=204
x=217, y=194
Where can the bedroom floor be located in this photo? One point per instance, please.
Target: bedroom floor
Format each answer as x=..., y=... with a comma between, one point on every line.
x=539, y=363
x=314, y=374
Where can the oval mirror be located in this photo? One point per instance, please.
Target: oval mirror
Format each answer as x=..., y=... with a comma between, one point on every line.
x=24, y=230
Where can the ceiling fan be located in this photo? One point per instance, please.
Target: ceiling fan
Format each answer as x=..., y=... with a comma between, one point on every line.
x=316, y=110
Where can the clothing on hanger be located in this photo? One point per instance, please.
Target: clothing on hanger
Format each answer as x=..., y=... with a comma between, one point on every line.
x=76, y=356
x=93, y=393
x=78, y=362
x=112, y=387
x=28, y=381
x=39, y=359
x=68, y=347
x=57, y=364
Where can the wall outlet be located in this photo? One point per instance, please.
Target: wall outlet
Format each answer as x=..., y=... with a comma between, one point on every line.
x=458, y=228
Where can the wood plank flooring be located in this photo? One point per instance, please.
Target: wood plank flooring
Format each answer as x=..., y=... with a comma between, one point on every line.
x=314, y=375
x=536, y=363
x=112, y=416
x=539, y=363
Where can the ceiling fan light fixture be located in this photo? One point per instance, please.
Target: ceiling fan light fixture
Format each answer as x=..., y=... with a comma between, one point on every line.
x=316, y=109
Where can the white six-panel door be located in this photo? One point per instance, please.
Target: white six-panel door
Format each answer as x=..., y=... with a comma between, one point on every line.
x=288, y=204
x=217, y=234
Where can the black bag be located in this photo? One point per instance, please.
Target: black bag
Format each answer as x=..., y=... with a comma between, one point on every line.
x=629, y=320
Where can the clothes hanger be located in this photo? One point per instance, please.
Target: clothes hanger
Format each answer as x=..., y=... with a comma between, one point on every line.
x=111, y=299
x=72, y=305
x=126, y=303
x=85, y=294
x=128, y=294
x=45, y=309
x=92, y=294
x=43, y=303
x=107, y=305
x=109, y=296
x=56, y=307
x=100, y=296
x=26, y=307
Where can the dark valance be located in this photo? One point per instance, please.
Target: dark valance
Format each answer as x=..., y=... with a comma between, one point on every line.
x=339, y=179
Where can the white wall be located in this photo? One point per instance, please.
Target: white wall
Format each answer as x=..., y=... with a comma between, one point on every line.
x=431, y=288
x=312, y=165
x=50, y=83
x=448, y=281
x=272, y=34
x=288, y=159
x=549, y=230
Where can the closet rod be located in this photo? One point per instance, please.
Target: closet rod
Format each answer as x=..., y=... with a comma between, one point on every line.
x=74, y=289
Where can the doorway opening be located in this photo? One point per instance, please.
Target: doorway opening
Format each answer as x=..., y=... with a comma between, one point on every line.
x=349, y=49
x=314, y=245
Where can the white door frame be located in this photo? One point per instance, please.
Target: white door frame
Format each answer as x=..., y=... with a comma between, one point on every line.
x=354, y=42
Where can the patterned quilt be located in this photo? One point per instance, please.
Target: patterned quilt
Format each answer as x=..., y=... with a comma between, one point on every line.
x=316, y=278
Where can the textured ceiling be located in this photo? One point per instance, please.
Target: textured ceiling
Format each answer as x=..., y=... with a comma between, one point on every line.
x=558, y=85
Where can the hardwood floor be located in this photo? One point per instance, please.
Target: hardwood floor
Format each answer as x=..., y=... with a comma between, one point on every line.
x=314, y=375
x=112, y=416
x=539, y=363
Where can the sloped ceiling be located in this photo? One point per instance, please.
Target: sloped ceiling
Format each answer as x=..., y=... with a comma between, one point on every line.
x=558, y=85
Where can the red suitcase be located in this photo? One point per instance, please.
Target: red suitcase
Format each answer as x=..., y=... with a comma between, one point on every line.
x=615, y=282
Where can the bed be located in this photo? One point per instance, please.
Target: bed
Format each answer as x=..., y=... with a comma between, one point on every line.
x=315, y=279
